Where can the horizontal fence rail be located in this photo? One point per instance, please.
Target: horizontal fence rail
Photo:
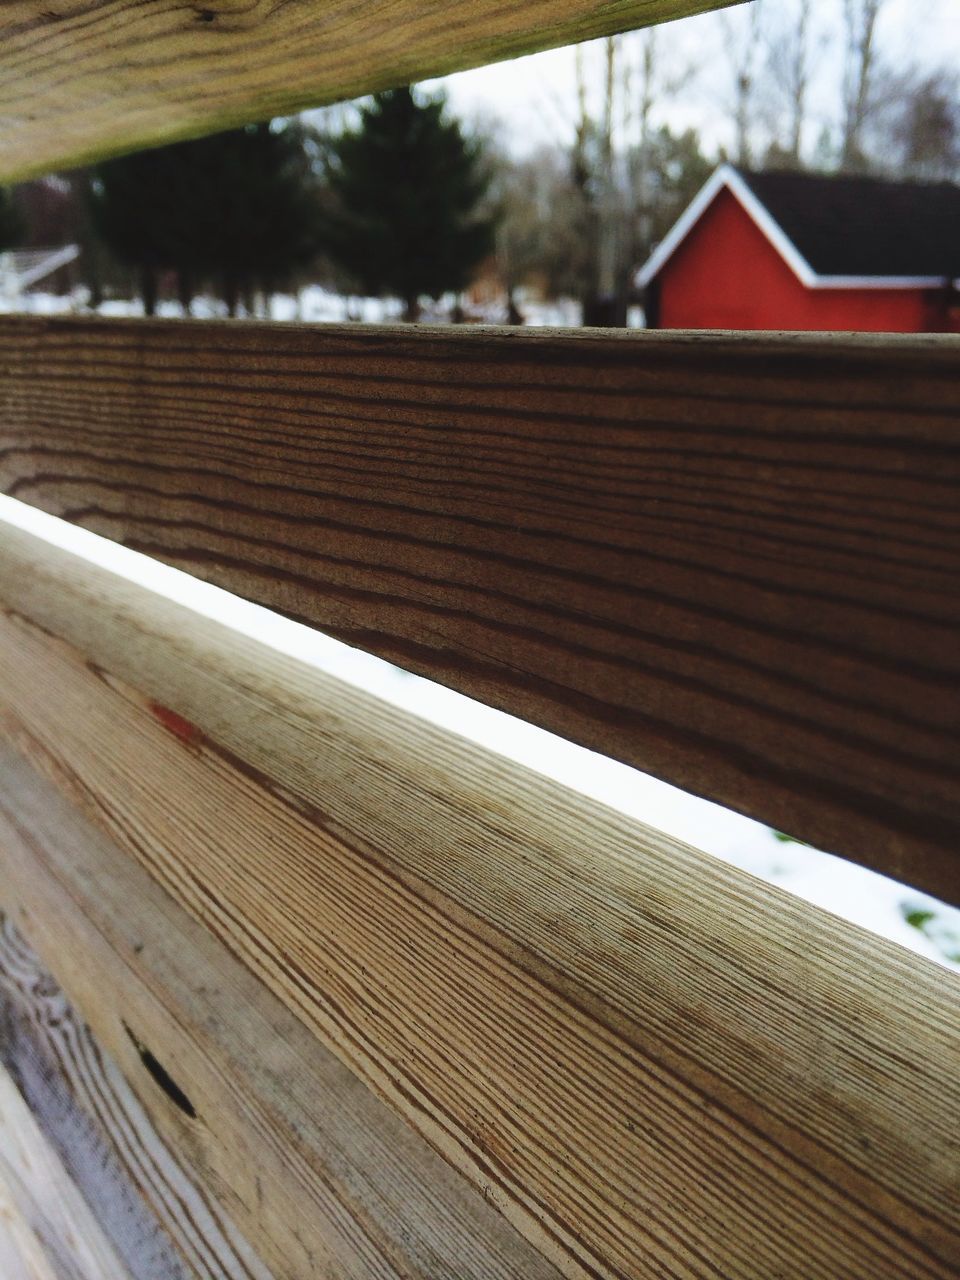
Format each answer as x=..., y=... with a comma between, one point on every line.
x=84, y=81
x=731, y=561
x=315, y=1169
x=650, y=1063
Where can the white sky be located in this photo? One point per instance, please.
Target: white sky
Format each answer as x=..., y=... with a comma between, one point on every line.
x=535, y=95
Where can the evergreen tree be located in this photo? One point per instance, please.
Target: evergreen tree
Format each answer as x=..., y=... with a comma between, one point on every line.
x=405, y=188
x=236, y=209
x=255, y=211
x=133, y=209
x=11, y=222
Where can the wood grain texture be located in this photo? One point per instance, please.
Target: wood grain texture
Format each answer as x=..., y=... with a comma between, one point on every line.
x=37, y=1192
x=731, y=562
x=158, y=1223
x=96, y=77
x=322, y=1177
x=651, y=1063
x=22, y=1256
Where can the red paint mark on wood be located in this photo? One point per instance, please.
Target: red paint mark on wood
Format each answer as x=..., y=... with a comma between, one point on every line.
x=184, y=729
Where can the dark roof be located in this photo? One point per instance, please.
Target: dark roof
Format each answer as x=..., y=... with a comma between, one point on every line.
x=865, y=226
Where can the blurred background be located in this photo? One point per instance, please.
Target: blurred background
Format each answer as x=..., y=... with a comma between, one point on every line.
x=528, y=192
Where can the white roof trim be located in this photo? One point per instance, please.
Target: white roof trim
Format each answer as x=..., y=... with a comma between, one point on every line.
x=727, y=176
x=685, y=223
x=787, y=250
x=880, y=282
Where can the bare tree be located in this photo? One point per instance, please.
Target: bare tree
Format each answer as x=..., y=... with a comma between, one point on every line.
x=583, y=173
x=618, y=189
x=928, y=130
x=914, y=128
x=653, y=77
x=789, y=70
x=860, y=24
x=596, y=179
x=608, y=221
x=741, y=32
x=641, y=171
x=538, y=241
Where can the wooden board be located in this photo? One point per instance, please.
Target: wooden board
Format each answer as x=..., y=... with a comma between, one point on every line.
x=732, y=562
x=651, y=1063
x=42, y=1202
x=327, y=1182
x=22, y=1256
x=98, y=1188
x=92, y=79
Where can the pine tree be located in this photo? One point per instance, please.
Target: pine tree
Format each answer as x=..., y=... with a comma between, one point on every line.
x=236, y=209
x=255, y=214
x=134, y=209
x=11, y=222
x=406, y=186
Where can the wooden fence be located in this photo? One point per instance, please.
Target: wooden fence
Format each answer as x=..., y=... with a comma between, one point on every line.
x=293, y=984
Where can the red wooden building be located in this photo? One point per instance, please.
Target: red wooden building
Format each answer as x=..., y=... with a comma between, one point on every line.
x=804, y=251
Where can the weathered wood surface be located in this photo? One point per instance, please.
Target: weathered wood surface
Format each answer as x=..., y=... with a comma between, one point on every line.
x=96, y=78
x=732, y=562
x=40, y=1201
x=94, y=1152
x=22, y=1256
x=319, y=1174
x=651, y=1063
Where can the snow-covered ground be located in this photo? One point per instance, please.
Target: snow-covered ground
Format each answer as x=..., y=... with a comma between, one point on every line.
x=313, y=304
x=907, y=917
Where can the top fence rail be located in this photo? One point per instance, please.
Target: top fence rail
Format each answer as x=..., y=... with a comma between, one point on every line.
x=90, y=80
